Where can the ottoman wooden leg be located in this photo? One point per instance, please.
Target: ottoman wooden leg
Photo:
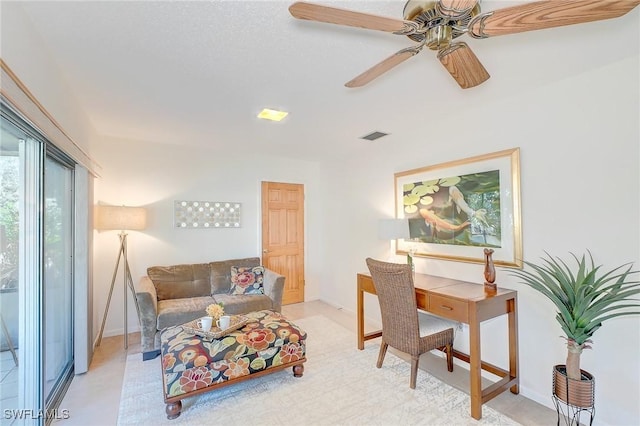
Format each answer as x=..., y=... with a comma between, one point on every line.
x=173, y=409
x=298, y=370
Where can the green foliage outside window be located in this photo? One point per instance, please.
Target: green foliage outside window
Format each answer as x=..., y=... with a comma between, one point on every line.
x=9, y=216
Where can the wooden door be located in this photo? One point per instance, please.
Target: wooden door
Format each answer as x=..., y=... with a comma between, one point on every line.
x=283, y=235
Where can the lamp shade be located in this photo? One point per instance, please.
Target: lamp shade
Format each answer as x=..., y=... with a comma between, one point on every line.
x=391, y=229
x=121, y=218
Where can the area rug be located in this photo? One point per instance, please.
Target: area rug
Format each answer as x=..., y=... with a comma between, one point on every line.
x=340, y=386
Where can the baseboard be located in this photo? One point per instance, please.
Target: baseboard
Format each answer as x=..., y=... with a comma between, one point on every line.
x=120, y=331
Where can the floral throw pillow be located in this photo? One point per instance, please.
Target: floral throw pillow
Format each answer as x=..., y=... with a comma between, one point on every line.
x=247, y=280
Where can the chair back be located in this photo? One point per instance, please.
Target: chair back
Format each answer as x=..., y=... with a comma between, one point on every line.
x=396, y=294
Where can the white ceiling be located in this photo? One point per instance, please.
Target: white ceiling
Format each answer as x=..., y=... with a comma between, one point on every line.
x=197, y=73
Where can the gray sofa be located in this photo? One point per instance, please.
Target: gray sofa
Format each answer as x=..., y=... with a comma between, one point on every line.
x=173, y=295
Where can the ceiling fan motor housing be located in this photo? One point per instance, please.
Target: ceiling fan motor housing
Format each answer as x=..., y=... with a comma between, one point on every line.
x=440, y=29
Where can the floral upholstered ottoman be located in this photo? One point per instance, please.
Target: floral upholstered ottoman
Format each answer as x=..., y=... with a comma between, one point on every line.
x=192, y=364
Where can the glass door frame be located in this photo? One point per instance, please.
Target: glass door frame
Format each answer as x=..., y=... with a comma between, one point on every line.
x=33, y=151
x=56, y=394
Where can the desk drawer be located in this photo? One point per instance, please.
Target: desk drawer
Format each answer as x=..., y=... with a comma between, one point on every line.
x=422, y=301
x=448, y=308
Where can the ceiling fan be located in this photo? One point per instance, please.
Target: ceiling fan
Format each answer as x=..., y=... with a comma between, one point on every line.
x=435, y=24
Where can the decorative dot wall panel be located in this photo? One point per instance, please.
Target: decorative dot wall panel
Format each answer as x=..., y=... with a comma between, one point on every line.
x=206, y=214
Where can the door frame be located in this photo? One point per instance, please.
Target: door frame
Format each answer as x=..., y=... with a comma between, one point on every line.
x=304, y=227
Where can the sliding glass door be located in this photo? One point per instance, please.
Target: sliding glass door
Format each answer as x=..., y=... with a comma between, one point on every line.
x=11, y=344
x=36, y=274
x=58, y=278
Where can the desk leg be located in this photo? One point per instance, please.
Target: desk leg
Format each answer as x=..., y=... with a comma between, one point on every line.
x=475, y=367
x=360, y=299
x=513, y=343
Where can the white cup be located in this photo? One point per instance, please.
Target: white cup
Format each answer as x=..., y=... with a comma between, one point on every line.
x=205, y=323
x=224, y=322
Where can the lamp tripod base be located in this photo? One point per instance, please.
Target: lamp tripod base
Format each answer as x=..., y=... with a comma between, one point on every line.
x=128, y=283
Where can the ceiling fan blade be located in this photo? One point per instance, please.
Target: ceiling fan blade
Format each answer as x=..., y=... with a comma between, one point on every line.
x=384, y=66
x=546, y=14
x=456, y=8
x=463, y=65
x=334, y=15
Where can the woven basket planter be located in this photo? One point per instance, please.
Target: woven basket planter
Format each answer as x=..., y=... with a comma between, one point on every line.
x=579, y=393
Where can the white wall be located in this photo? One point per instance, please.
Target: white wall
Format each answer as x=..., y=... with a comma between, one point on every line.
x=580, y=190
x=151, y=175
x=26, y=54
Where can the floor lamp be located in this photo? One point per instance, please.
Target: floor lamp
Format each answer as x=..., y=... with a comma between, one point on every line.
x=121, y=218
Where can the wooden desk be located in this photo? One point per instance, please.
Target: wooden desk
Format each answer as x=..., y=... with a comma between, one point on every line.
x=465, y=302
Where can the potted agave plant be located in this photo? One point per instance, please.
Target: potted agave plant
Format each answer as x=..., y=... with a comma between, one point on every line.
x=584, y=298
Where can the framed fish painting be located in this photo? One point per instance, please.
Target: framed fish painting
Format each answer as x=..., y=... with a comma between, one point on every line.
x=457, y=209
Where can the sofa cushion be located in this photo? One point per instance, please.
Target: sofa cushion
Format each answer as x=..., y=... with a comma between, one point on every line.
x=181, y=281
x=179, y=311
x=221, y=273
x=247, y=280
x=241, y=304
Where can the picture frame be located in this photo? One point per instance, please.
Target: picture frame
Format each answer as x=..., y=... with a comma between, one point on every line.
x=457, y=209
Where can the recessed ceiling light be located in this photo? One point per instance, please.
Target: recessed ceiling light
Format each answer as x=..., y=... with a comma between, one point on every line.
x=272, y=114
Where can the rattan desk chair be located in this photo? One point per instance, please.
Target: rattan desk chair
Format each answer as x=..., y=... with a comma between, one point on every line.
x=403, y=326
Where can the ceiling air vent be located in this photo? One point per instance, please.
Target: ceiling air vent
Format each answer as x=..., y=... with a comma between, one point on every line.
x=373, y=136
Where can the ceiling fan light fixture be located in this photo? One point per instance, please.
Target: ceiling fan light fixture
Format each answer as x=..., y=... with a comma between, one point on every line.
x=438, y=37
x=272, y=114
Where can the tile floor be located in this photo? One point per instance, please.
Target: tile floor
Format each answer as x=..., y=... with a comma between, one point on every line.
x=8, y=384
x=94, y=398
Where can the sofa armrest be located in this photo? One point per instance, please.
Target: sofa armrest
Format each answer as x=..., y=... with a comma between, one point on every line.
x=147, y=295
x=148, y=303
x=274, y=287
